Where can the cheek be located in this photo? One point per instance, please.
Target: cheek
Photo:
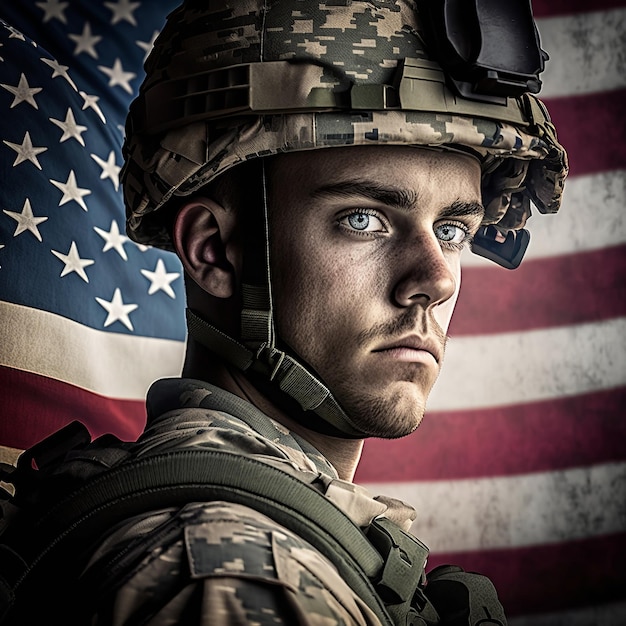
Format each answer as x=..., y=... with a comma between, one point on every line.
x=319, y=300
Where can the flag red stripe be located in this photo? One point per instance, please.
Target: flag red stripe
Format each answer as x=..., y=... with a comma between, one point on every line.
x=553, y=577
x=539, y=437
x=592, y=128
x=541, y=293
x=560, y=8
x=44, y=405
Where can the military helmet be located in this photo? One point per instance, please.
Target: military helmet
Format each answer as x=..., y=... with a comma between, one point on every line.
x=233, y=80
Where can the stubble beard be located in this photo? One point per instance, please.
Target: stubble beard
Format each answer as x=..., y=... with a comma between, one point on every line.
x=387, y=418
x=393, y=413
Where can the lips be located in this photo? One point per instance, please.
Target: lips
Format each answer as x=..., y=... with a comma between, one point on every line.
x=414, y=342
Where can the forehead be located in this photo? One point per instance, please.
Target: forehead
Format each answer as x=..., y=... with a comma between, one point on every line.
x=414, y=169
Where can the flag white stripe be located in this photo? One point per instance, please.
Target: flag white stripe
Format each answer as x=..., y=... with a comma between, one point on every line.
x=592, y=217
x=515, y=511
x=584, y=53
x=514, y=368
x=479, y=371
x=102, y=362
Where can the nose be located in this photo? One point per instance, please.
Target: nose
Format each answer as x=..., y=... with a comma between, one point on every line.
x=428, y=277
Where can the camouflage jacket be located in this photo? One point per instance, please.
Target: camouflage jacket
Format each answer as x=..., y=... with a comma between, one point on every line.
x=222, y=563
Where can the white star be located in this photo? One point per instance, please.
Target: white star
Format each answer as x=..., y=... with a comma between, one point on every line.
x=23, y=92
x=91, y=102
x=71, y=130
x=123, y=10
x=117, y=310
x=53, y=8
x=109, y=168
x=86, y=42
x=26, y=220
x=59, y=70
x=147, y=46
x=25, y=151
x=113, y=239
x=15, y=34
x=117, y=76
x=73, y=262
x=160, y=279
x=71, y=191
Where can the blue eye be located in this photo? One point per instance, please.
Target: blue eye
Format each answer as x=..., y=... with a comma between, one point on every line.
x=363, y=222
x=451, y=233
x=359, y=221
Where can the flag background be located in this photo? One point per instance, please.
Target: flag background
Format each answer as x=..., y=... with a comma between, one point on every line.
x=84, y=334
x=519, y=469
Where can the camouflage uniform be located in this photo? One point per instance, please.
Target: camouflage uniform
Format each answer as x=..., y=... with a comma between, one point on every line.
x=230, y=81
x=224, y=563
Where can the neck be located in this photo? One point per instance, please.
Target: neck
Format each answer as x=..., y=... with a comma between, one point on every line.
x=343, y=454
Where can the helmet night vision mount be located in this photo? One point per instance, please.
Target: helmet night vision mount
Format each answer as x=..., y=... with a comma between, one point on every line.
x=489, y=50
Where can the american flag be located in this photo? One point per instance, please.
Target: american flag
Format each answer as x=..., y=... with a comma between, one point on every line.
x=519, y=469
x=89, y=319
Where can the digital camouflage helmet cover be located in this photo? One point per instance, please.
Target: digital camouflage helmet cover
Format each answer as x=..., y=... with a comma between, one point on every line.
x=232, y=80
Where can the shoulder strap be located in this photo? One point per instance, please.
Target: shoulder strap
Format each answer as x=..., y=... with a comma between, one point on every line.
x=178, y=477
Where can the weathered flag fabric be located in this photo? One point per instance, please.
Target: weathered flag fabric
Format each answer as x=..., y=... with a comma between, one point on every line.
x=519, y=468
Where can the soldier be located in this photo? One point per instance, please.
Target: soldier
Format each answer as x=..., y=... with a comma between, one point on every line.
x=318, y=167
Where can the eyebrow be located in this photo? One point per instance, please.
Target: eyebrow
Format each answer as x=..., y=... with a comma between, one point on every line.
x=462, y=209
x=397, y=197
x=403, y=199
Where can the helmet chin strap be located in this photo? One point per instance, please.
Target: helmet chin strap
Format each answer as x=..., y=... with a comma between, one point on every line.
x=279, y=375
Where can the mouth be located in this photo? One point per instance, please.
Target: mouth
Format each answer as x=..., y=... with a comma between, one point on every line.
x=413, y=349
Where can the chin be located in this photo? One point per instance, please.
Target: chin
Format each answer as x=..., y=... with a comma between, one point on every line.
x=396, y=414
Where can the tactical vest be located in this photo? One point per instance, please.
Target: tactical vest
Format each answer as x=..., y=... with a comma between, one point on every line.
x=52, y=524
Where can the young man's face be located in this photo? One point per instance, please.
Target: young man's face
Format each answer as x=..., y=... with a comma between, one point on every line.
x=365, y=249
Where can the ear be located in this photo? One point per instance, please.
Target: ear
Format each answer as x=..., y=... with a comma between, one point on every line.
x=203, y=240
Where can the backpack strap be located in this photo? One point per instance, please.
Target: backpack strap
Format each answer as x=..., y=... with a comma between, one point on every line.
x=385, y=568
